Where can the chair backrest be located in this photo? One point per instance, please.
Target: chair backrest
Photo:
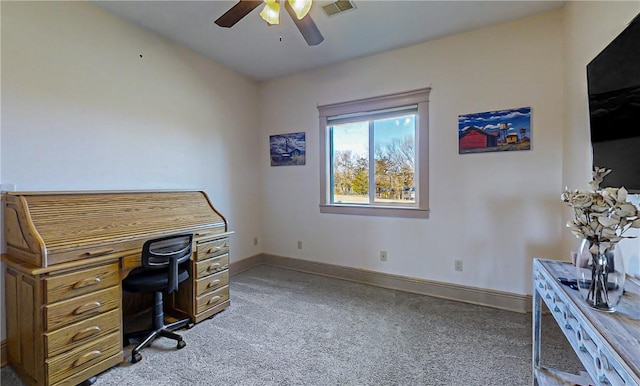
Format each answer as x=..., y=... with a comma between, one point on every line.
x=167, y=253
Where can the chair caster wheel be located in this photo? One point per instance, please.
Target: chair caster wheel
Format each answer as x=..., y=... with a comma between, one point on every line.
x=135, y=358
x=181, y=344
x=88, y=382
x=190, y=326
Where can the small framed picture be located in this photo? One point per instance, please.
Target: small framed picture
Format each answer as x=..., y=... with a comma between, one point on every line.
x=287, y=149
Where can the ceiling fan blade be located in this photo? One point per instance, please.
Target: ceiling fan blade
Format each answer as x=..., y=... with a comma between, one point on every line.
x=307, y=27
x=237, y=12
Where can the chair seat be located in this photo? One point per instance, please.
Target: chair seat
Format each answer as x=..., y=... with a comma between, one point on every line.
x=151, y=281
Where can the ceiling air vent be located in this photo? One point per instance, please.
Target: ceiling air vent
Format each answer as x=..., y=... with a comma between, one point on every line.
x=338, y=7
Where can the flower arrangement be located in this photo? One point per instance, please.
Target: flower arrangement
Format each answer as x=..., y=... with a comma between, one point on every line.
x=601, y=215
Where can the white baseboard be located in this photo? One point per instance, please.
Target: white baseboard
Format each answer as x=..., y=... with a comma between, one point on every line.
x=485, y=297
x=245, y=264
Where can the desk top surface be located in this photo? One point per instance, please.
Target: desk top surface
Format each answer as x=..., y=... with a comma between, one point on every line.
x=44, y=228
x=620, y=329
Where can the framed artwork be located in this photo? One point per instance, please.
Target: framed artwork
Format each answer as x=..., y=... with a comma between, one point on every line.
x=503, y=130
x=287, y=149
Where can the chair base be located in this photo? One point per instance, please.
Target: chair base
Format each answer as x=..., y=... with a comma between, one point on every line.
x=165, y=331
x=88, y=382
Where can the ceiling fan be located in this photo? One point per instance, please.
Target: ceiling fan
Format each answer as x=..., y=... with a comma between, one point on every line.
x=297, y=9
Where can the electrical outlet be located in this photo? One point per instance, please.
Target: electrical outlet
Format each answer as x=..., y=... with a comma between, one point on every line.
x=457, y=265
x=383, y=255
x=299, y=244
x=255, y=241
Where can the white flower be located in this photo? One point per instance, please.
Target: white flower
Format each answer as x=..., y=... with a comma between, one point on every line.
x=607, y=221
x=581, y=200
x=622, y=195
x=598, y=177
x=626, y=210
x=601, y=216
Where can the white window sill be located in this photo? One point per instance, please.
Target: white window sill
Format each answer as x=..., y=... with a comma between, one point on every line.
x=384, y=211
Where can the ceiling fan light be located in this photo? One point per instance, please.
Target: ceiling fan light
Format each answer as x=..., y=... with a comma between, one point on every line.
x=271, y=12
x=300, y=7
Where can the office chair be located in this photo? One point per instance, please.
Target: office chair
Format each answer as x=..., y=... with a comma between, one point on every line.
x=161, y=272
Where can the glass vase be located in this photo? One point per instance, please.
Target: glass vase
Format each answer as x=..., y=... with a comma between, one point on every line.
x=600, y=276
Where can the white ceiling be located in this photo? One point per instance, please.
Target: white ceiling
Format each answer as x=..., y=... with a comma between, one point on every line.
x=263, y=52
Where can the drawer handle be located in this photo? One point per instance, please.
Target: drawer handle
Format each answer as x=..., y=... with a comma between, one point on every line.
x=213, y=267
x=215, y=249
x=203, y=234
x=87, y=332
x=98, y=253
x=213, y=299
x=87, y=282
x=213, y=283
x=87, y=307
x=91, y=355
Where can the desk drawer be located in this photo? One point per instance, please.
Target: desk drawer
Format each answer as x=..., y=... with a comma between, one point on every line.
x=212, y=299
x=81, y=282
x=208, y=267
x=212, y=248
x=72, y=336
x=69, y=363
x=80, y=308
x=212, y=282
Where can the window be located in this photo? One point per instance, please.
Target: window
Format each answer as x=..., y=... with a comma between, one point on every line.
x=375, y=156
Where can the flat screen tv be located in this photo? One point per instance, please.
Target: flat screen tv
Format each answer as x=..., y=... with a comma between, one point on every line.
x=613, y=79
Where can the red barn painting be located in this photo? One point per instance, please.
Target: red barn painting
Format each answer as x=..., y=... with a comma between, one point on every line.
x=503, y=130
x=476, y=138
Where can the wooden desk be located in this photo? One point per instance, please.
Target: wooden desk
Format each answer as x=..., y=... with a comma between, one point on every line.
x=608, y=345
x=67, y=253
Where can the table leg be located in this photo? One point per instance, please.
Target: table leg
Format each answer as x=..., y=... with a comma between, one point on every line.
x=536, y=329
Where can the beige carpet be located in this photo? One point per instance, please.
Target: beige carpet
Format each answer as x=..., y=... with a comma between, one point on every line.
x=291, y=328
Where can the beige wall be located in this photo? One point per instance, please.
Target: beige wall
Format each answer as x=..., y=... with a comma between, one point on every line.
x=590, y=27
x=81, y=110
x=493, y=211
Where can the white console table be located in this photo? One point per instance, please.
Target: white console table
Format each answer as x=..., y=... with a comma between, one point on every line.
x=608, y=345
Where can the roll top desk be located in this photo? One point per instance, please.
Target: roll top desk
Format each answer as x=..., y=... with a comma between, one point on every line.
x=67, y=253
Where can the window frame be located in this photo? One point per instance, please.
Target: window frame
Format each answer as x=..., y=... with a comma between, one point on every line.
x=419, y=97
